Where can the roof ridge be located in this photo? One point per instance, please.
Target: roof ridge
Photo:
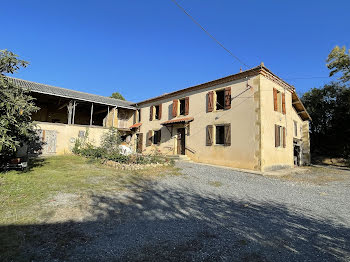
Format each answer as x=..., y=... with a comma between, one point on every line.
x=260, y=68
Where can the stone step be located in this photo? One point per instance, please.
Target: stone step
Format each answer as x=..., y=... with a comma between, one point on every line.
x=180, y=158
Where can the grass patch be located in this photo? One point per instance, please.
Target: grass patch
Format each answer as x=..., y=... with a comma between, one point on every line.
x=23, y=194
x=315, y=175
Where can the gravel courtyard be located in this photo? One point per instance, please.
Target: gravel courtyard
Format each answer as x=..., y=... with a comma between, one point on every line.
x=206, y=214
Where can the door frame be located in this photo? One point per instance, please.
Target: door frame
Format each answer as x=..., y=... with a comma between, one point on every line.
x=181, y=141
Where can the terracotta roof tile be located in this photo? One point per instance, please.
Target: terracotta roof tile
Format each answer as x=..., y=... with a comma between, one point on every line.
x=177, y=121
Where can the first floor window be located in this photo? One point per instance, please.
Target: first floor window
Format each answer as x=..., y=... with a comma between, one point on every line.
x=220, y=99
x=139, y=115
x=280, y=136
x=295, y=128
x=156, y=114
x=182, y=107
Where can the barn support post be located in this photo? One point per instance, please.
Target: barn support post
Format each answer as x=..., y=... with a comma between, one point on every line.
x=113, y=116
x=73, y=118
x=70, y=109
x=91, y=113
x=107, y=117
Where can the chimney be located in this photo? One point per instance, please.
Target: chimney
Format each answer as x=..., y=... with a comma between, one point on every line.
x=240, y=70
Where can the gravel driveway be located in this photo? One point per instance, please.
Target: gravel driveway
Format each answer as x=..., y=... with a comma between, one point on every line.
x=211, y=214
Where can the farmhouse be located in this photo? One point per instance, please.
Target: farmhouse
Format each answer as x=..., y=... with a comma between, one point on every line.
x=251, y=120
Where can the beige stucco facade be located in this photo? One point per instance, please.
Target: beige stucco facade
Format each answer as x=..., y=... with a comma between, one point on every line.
x=272, y=157
x=244, y=127
x=252, y=118
x=65, y=136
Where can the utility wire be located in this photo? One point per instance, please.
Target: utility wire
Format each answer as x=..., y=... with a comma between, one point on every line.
x=210, y=35
x=227, y=50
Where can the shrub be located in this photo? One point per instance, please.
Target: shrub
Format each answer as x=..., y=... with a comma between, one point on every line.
x=111, y=140
x=109, y=150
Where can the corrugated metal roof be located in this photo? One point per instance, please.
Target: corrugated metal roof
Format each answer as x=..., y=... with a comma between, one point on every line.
x=68, y=93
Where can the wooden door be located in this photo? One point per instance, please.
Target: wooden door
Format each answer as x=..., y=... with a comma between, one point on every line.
x=181, y=144
x=139, y=138
x=49, y=139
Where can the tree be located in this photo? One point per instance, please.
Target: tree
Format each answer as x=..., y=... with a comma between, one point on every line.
x=330, y=126
x=117, y=95
x=339, y=62
x=16, y=108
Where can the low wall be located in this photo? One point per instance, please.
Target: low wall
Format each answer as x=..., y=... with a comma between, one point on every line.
x=60, y=138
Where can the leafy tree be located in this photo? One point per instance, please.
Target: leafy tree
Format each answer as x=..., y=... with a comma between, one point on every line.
x=339, y=62
x=117, y=95
x=16, y=108
x=329, y=108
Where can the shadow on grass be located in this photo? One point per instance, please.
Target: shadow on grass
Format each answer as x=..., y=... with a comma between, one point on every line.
x=155, y=223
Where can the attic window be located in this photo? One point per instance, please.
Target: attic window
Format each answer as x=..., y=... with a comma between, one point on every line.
x=220, y=99
x=182, y=106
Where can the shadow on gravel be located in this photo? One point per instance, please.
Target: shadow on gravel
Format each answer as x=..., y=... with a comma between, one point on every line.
x=158, y=224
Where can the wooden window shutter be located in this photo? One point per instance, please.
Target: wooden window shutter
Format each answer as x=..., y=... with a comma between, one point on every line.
x=159, y=136
x=187, y=105
x=175, y=102
x=227, y=133
x=160, y=112
x=209, y=135
x=210, y=101
x=135, y=118
x=277, y=136
x=284, y=137
x=284, y=103
x=139, y=115
x=275, y=99
x=151, y=113
x=149, y=138
x=227, y=97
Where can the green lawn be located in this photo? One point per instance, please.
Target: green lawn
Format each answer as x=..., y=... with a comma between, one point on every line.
x=23, y=194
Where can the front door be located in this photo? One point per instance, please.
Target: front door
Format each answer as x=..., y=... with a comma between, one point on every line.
x=139, y=140
x=181, y=144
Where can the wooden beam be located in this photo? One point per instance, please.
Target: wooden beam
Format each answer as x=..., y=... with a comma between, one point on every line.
x=100, y=111
x=113, y=116
x=91, y=113
x=70, y=108
x=302, y=112
x=62, y=106
x=107, y=116
x=73, y=118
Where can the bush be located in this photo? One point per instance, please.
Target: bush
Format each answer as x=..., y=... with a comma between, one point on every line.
x=109, y=150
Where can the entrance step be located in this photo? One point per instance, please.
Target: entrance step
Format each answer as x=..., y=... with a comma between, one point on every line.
x=180, y=158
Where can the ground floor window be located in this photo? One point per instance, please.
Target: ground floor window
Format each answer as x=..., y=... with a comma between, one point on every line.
x=157, y=137
x=220, y=135
x=280, y=136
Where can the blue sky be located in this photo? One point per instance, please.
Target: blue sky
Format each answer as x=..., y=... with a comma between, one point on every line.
x=146, y=48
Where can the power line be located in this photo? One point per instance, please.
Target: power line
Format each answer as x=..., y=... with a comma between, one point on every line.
x=210, y=35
